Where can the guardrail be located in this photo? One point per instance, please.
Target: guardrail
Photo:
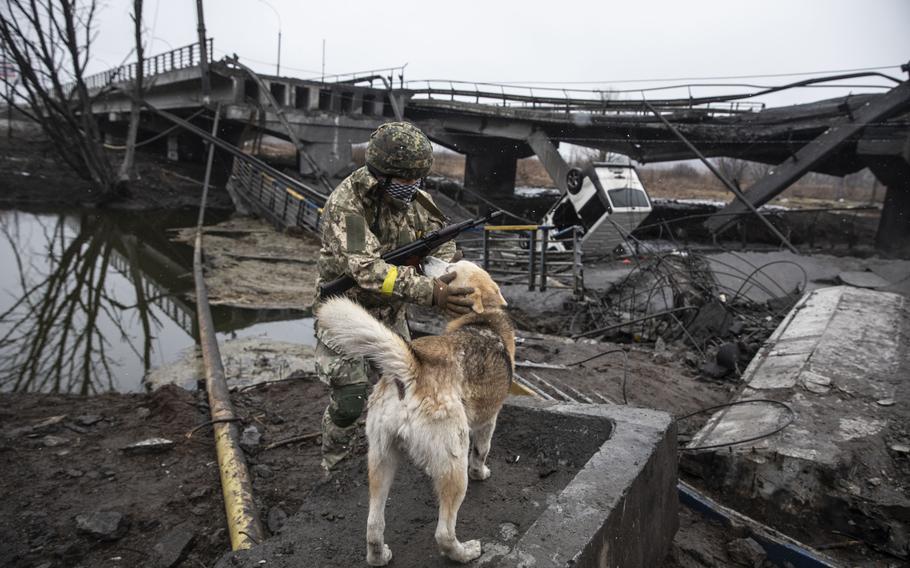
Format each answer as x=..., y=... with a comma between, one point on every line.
x=279, y=201
x=558, y=99
x=387, y=73
x=529, y=253
x=156, y=294
x=180, y=58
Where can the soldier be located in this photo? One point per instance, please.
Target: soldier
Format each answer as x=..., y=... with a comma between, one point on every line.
x=377, y=208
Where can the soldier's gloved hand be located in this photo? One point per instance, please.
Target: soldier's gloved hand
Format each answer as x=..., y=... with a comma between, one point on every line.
x=452, y=300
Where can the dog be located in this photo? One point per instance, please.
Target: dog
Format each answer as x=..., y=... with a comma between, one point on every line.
x=437, y=399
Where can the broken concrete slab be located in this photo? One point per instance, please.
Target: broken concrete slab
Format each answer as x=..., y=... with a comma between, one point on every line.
x=836, y=354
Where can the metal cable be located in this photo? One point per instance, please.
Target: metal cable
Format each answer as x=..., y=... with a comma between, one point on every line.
x=787, y=407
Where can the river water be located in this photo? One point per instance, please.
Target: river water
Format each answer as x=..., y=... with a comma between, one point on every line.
x=90, y=301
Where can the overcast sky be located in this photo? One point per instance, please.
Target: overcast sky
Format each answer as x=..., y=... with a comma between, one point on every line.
x=604, y=42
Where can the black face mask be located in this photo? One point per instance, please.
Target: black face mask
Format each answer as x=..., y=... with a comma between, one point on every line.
x=405, y=192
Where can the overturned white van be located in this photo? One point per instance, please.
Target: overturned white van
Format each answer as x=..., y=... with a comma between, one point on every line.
x=608, y=201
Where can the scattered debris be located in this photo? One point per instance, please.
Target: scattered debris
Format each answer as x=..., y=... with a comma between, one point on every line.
x=108, y=525
x=172, y=549
x=50, y=441
x=746, y=552
x=250, y=438
x=149, y=446
x=276, y=519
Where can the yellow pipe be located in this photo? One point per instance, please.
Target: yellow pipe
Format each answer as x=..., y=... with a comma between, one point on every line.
x=511, y=227
x=236, y=486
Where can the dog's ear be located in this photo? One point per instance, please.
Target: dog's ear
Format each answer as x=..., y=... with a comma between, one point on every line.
x=477, y=297
x=502, y=299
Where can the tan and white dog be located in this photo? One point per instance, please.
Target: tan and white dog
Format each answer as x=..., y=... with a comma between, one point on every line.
x=437, y=400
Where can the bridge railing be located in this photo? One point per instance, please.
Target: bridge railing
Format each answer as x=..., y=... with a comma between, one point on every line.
x=390, y=74
x=181, y=58
x=284, y=203
x=558, y=99
x=516, y=254
x=156, y=294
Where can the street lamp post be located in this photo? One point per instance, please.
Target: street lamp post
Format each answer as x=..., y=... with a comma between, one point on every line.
x=278, y=64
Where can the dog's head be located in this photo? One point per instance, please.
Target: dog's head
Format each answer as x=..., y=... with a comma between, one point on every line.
x=486, y=293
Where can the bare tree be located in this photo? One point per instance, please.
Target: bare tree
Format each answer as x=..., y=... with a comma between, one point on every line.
x=49, y=42
x=58, y=333
x=733, y=169
x=128, y=166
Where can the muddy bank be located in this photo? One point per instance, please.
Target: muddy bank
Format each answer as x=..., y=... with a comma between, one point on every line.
x=251, y=265
x=32, y=176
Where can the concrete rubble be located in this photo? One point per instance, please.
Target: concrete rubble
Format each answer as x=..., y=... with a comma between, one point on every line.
x=836, y=365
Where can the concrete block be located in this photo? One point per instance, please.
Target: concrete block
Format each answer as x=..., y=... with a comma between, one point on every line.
x=621, y=509
x=837, y=353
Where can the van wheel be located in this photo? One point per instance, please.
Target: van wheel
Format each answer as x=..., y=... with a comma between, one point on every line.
x=574, y=179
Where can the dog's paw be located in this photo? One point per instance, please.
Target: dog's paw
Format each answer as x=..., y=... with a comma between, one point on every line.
x=479, y=474
x=471, y=551
x=374, y=559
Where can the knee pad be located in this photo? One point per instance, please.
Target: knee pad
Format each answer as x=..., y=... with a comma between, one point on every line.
x=349, y=401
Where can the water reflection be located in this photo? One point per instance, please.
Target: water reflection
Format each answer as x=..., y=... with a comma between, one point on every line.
x=91, y=301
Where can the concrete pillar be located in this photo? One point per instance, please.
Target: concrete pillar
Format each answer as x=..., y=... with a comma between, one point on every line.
x=313, y=99
x=173, y=147
x=887, y=153
x=894, y=226
x=491, y=173
x=237, y=94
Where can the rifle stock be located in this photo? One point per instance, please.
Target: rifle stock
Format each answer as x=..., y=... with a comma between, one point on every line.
x=410, y=254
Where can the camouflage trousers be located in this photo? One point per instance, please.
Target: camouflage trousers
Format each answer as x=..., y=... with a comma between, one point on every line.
x=349, y=379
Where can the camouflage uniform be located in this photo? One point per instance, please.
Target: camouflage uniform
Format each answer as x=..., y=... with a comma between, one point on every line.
x=360, y=223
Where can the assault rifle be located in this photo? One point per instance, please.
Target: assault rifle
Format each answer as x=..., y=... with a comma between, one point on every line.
x=412, y=253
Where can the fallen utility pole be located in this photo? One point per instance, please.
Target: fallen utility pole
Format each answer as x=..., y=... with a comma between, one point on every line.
x=236, y=485
x=735, y=190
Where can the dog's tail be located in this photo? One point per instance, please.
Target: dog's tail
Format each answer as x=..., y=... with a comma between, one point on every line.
x=352, y=330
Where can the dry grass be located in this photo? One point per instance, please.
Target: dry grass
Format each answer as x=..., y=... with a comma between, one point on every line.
x=685, y=182
x=681, y=181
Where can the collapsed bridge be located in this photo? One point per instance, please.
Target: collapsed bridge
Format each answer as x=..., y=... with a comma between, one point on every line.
x=494, y=126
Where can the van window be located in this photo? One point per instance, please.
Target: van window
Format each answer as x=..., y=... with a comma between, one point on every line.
x=628, y=197
x=565, y=215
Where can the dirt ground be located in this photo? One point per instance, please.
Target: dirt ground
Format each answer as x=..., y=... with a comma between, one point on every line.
x=530, y=461
x=65, y=459
x=76, y=466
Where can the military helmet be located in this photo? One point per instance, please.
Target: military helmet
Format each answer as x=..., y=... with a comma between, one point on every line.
x=401, y=150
